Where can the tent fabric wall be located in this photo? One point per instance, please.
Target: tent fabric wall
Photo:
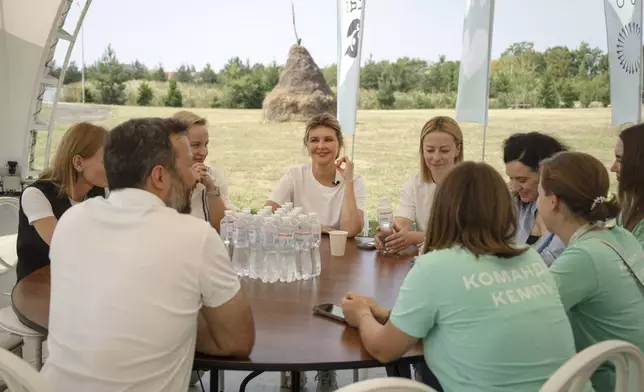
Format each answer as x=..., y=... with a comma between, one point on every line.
x=26, y=28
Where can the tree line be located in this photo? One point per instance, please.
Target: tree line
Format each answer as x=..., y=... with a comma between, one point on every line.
x=521, y=77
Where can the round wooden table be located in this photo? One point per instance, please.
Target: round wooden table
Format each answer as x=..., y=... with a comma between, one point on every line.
x=289, y=337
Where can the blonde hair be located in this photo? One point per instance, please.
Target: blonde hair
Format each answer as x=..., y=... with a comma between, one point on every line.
x=190, y=118
x=324, y=120
x=82, y=139
x=440, y=124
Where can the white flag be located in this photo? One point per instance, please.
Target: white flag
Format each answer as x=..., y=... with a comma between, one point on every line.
x=624, y=33
x=474, y=76
x=350, y=33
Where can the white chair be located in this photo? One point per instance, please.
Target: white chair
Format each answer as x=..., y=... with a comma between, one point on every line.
x=574, y=374
x=19, y=376
x=388, y=384
x=9, y=322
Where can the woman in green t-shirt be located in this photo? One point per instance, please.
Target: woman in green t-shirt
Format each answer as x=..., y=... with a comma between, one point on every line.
x=599, y=274
x=629, y=168
x=486, y=309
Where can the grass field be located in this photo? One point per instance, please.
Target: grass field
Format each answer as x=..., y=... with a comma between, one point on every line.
x=255, y=153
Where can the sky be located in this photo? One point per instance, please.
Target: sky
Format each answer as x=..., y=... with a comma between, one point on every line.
x=197, y=32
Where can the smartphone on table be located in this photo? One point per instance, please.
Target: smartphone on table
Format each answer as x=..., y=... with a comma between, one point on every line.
x=371, y=245
x=331, y=311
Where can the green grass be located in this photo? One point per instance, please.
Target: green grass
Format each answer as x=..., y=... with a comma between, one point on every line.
x=254, y=153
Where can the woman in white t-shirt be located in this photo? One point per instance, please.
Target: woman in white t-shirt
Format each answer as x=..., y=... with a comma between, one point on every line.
x=440, y=149
x=327, y=185
x=75, y=174
x=210, y=197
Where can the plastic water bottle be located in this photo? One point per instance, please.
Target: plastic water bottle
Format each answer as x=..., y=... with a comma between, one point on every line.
x=269, y=269
x=316, y=239
x=385, y=219
x=241, y=251
x=286, y=251
x=288, y=206
x=226, y=230
x=303, y=240
x=254, y=239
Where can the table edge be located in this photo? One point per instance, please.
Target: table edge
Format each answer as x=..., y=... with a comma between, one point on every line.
x=203, y=361
x=23, y=319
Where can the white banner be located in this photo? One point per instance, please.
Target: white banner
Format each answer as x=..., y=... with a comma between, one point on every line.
x=350, y=33
x=624, y=33
x=474, y=76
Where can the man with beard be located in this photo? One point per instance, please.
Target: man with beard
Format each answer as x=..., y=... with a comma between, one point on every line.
x=136, y=282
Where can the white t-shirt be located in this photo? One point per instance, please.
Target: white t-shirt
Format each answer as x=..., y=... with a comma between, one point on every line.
x=199, y=199
x=299, y=186
x=128, y=277
x=415, y=204
x=35, y=205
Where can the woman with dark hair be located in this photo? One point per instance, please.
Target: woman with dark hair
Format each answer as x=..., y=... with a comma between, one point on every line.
x=486, y=309
x=522, y=153
x=629, y=168
x=600, y=273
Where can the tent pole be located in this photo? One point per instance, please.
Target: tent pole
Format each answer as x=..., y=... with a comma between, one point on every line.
x=484, y=134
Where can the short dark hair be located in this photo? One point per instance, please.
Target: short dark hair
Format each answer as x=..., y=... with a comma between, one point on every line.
x=135, y=147
x=531, y=148
x=473, y=209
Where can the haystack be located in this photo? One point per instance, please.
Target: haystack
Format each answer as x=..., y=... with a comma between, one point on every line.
x=301, y=92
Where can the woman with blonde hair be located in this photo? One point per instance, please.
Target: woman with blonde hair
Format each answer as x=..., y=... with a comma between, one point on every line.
x=600, y=273
x=486, y=309
x=440, y=148
x=328, y=184
x=76, y=174
x=210, y=198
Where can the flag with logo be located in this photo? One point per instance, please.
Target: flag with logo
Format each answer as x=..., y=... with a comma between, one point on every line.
x=624, y=34
x=350, y=33
x=474, y=76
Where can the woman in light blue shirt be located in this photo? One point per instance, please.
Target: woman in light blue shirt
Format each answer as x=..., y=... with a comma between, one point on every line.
x=522, y=153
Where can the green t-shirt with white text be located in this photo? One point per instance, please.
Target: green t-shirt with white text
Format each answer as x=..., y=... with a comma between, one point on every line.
x=601, y=296
x=638, y=230
x=488, y=324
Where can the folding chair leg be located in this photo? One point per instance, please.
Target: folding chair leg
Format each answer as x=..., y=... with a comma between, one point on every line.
x=222, y=382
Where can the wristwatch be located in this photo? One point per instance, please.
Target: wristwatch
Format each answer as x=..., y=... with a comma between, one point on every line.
x=214, y=192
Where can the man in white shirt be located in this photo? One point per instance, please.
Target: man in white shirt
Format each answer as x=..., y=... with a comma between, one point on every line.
x=136, y=282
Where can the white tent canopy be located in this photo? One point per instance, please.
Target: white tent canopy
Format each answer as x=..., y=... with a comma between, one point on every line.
x=29, y=32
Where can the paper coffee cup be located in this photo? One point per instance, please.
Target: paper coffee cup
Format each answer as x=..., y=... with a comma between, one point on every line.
x=338, y=239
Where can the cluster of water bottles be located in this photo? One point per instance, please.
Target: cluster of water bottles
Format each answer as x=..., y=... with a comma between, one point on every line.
x=274, y=247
